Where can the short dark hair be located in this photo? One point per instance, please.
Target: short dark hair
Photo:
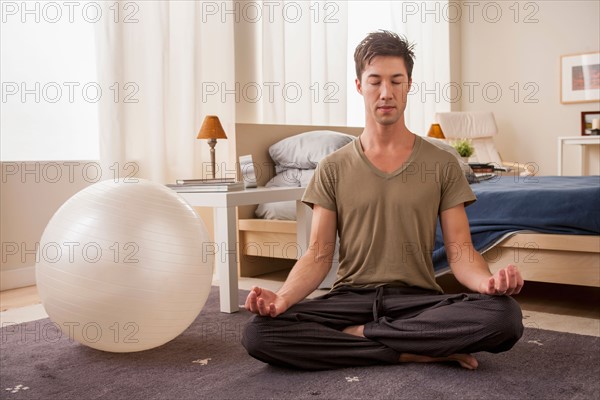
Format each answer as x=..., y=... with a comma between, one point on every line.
x=383, y=43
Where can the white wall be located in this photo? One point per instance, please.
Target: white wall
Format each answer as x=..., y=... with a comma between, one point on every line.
x=30, y=193
x=506, y=53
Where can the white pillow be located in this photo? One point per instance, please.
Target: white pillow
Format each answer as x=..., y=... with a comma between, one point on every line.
x=285, y=210
x=305, y=150
x=291, y=177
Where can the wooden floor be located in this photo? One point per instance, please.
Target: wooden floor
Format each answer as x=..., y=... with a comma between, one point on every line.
x=552, y=300
x=16, y=298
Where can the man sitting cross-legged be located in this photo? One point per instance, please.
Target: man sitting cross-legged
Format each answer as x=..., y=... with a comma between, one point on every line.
x=383, y=194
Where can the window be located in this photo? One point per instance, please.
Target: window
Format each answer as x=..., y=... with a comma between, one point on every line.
x=425, y=23
x=363, y=18
x=50, y=94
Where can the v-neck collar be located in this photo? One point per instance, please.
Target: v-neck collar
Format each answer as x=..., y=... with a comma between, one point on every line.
x=377, y=171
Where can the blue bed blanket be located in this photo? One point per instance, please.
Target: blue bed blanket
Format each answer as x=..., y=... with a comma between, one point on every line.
x=545, y=204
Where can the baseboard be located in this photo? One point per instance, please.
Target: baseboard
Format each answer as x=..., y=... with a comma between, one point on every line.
x=17, y=278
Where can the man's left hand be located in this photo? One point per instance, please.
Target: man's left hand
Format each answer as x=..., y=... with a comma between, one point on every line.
x=506, y=281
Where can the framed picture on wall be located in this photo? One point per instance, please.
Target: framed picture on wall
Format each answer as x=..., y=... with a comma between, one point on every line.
x=590, y=123
x=580, y=78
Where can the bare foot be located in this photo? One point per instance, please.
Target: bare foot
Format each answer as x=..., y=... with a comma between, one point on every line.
x=356, y=330
x=465, y=360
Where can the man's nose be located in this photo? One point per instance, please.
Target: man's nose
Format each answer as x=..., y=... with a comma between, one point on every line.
x=386, y=90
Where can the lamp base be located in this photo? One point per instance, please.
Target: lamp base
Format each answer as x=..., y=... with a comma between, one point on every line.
x=212, y=143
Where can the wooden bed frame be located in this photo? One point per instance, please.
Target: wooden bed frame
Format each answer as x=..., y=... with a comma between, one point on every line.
x=566, y=259
x=259, y=237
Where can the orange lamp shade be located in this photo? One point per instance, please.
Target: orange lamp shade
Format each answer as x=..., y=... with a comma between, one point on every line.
x=436, y=132
x=211, y=128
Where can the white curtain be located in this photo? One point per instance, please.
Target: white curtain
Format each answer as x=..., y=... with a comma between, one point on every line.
x=308, y=47
x=162, y=61
x=423, y=23
x=290, y=62
x=296, y=55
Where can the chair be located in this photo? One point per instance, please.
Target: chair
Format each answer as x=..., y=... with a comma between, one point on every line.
x=480, y=128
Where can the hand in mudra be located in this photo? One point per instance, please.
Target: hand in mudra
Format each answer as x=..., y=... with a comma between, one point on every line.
x=264, y=302
x=506, y=281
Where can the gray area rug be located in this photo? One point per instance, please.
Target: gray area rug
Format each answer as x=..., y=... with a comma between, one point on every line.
x=208, y=362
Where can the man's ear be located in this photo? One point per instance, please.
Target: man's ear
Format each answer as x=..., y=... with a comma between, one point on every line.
x=358, y=86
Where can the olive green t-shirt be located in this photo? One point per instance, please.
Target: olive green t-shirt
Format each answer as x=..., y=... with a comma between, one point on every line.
x=386, y=221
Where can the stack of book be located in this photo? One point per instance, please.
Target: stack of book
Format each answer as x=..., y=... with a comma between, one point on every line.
x=487, y=168
x=479, y=168
x=206, y=185
x=483, y=171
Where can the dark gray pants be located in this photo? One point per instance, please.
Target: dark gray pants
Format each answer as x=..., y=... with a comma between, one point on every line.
x=397, y=320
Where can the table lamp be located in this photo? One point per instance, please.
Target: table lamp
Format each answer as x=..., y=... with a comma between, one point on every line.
x=212, y=130
x=436, y=132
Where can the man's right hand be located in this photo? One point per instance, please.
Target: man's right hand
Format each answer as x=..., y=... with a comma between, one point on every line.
x=308, y=272
x=264, y=302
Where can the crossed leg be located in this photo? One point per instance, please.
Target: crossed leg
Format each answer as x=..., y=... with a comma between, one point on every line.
x=464, y=360
x=322, y=333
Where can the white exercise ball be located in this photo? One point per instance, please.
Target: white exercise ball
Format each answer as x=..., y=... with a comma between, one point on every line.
x=122, y=266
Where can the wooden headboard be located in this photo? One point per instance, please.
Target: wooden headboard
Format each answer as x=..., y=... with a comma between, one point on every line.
x=255, y=139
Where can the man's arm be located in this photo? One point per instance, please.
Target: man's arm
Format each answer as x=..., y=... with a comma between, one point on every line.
x=309, y=271
x=467, y=264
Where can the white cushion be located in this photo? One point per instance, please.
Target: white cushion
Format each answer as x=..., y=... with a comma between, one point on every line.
x=485, y=152
x=305, y=150
x=467, y=125
x=285, y=210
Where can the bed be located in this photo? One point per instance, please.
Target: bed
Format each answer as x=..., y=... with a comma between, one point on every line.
x=547, y=225
x=268, y=245
x=566, y=256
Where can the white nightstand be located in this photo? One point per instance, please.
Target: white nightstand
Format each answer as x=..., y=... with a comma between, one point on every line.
x=582, y=141
x=224, y=204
